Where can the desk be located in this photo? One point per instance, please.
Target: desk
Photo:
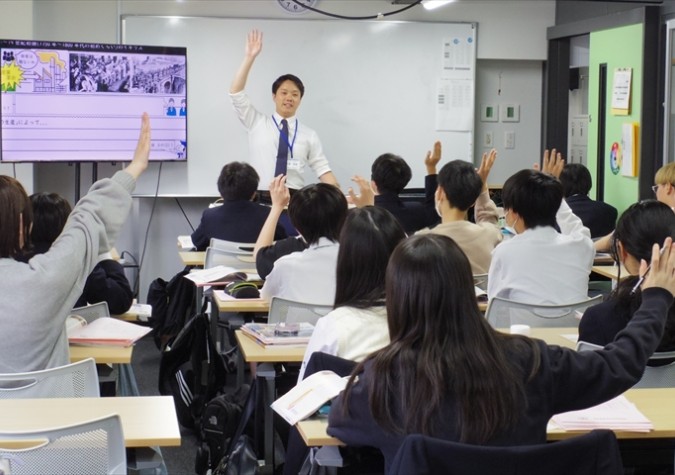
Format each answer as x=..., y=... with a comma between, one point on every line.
x=610, y=271
x=561, y=336
x=102, y=354
x=655, y=404
x=146, y=421
x=192, y=258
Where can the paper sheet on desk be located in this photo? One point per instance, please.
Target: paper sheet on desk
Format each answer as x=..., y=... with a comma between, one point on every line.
x=309, y=395
x=616, y=414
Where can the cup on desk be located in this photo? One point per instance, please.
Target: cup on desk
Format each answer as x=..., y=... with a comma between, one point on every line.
x=520, y=330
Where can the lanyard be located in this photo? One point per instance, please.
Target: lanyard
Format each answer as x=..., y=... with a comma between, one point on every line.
x=282, y=135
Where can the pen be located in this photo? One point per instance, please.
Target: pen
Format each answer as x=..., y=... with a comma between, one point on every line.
x=642, y=277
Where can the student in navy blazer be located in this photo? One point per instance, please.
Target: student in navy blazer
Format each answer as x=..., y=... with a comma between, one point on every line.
x=597, y=216
x=238, y=219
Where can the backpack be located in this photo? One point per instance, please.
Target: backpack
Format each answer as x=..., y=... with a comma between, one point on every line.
x=192, y=371
x=172, y=304
x=219, y=423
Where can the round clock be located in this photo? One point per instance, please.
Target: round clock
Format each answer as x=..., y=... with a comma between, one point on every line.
x=291, y=7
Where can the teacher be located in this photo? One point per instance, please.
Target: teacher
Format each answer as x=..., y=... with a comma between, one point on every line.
x=279, y=144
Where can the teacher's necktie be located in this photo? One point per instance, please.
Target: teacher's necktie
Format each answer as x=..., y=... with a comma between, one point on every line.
x=282, y=152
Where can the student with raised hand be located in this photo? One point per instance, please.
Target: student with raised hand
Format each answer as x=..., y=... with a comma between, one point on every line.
x=238, y=218
x=358, y=324
x=39, y=294
x=106, y=282
x=317, y=211
x=447, y=374
x=642, y=223
x=460, y=187
x=541, y=265
x=278, y=143
x=389, y=175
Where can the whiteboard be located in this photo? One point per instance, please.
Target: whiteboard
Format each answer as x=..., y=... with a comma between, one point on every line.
x=371, y=87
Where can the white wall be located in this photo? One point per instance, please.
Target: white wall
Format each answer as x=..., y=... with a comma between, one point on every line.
x=511, y=32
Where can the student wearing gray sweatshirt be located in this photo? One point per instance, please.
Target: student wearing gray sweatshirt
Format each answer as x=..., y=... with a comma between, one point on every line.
x=37, y=295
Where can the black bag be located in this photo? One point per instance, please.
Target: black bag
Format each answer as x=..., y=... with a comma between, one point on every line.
x=172, y=304
x=192, y=371
x=219, y=423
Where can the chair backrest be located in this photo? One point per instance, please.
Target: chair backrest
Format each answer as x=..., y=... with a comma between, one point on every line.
x=74, y=380
x=595, y=453
x=480, y=281
x=502, y=313
x=219, y=257
x=289, y=311
x=235, y=247
x=95, y=446
x=662, y=376
x=92, y=312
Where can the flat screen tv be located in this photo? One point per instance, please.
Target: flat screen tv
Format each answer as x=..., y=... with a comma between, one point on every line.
x=82, y=102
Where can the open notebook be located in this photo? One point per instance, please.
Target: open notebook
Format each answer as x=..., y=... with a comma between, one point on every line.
x=104, y=331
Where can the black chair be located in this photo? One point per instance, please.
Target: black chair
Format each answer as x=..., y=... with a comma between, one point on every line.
x=595, y=453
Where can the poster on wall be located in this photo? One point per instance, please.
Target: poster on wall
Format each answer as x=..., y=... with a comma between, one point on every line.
x=621, y=91
x=629, y=149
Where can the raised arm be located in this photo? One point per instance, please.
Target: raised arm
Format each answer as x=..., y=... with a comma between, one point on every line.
x=366, y=196
x=432, y=158
x=142, y=153
x=280, y=197
x=486, y=209
x=254, y=44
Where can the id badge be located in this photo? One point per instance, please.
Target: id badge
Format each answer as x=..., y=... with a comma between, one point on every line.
x=294, y=164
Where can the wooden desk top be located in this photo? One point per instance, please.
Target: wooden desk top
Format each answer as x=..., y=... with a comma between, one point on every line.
x=102, y=354
x=241, y=305
x=253, y=352
x=655, y=404
x=146, y=421
x=611, y=271
x=561, y=336
x=192, y=258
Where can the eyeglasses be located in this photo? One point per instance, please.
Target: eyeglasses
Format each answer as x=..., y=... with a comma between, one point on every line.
x=655, y=188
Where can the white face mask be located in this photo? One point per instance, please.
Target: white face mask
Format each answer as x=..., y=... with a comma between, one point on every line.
x=437, y=205
x=511, y=228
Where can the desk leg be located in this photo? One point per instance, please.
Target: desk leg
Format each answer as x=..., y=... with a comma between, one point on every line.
x=266, y=371
x=240, y=368
x=214, y=325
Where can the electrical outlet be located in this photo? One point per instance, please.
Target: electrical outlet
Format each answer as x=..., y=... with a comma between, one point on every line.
x=509, y=139
x=488, y=140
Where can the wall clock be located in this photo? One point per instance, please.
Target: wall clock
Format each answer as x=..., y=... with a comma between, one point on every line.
x=291, y=7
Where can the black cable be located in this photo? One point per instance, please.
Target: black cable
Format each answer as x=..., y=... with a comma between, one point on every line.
x=369, y=17
x=186, y=218
x=152, y=213
x=14, y=169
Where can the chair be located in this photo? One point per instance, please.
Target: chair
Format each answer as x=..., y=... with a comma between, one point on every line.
x=480, y=281
x=660, y=376
x=74, y=380
x=237, y=247
x=290, y=311
x=221, y=257
x=502, y=313
x=92, y=312
x=95, y=446
x=595, y=453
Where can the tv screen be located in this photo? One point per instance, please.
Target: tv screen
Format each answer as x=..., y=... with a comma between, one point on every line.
x=82, y=102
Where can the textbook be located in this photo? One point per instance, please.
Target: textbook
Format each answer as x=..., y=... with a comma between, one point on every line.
x=219, y=275
x=280, y=333
x=309, y=395
x=104, y=331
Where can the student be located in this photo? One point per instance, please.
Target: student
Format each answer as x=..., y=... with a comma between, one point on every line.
x=37, y=296
x=301, y=145
x=541, y=265
x=642, y=223
x=317, y=211
x=390, y=175
x=238, y=219
x=106, y=282
x=448, y=374
x=358, y=325
x=460, y=186
x=597, y=216
x=664, y=190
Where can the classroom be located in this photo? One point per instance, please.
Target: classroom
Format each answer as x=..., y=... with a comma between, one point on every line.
x=541, y=77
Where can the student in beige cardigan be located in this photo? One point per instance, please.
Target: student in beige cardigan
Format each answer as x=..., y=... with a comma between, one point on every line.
x=460, y=186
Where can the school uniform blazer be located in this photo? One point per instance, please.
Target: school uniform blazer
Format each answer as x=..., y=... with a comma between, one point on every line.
x=597, y=216
x=565, y=381
x=412, y=215
x=238, y=221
